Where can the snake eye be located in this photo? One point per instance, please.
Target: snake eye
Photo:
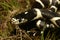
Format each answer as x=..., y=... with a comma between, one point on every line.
x=26, y=12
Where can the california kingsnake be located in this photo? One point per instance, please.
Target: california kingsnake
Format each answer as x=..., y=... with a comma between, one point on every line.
x=45, y=11
x=54, y=5
x=40, y=13
x=36, y=13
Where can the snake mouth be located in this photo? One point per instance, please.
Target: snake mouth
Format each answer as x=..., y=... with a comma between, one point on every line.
x=18, y=21
x=14, y=21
